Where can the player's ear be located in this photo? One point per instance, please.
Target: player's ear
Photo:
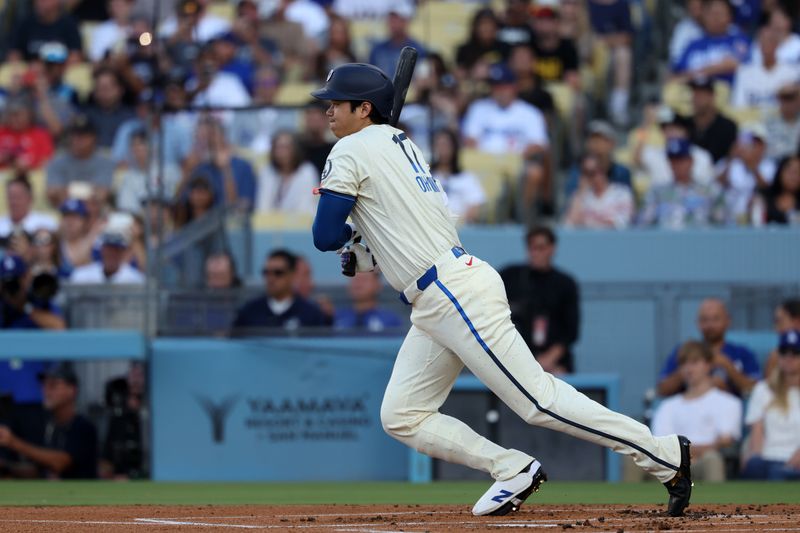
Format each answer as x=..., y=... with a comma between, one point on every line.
x=365, y=109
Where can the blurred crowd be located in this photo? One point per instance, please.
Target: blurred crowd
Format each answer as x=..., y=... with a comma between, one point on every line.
x=124, y=119
x=564, y=111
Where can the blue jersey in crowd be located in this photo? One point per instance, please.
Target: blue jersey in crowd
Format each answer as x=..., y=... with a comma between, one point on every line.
x=709, y=50
x=371, y=320
x=742, y=358
x=243, y=175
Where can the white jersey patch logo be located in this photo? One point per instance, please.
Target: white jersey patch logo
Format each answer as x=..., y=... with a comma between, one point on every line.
x=327, y=170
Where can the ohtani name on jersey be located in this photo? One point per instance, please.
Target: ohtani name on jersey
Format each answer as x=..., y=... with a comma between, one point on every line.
x=428, y=184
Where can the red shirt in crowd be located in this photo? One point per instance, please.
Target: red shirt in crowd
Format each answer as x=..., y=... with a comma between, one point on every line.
x=30, y=148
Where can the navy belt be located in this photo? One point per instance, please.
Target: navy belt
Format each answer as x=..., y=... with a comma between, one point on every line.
x=431, y=274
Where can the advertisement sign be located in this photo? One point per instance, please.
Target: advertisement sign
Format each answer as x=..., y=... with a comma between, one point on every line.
x=273, y=410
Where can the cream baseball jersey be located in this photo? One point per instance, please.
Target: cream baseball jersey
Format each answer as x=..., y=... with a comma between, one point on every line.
x=400, y=209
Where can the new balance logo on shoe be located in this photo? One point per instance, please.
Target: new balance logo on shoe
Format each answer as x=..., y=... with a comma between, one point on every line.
x=502, y=496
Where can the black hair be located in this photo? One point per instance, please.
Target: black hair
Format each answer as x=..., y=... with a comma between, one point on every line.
x=485, y=13
x=374, y=114
x=297, y=150
x=21, y=179
x=541, y=231
x=455, y=164
x=776, y=187
x=792, y=307
x=286, y=255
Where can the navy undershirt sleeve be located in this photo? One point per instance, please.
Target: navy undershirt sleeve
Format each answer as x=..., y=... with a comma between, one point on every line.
x=330, y=229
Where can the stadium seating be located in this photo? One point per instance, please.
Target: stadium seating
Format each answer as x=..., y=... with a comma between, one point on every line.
x=443, y=26
x=79, y=75
x=496, y=172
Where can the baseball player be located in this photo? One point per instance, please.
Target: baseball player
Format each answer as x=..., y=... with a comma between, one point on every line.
x=459, y=312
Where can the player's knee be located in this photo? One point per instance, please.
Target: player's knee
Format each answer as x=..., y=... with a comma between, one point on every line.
x=391, y=419
x=396, y=421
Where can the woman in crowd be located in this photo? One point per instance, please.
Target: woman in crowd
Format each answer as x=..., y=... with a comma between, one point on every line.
x=773, y=415
x=286, y=182
x=483, y=48
x=339, y=49
x=46, y=253
x=782, y=198
x=197, y=203
x=465, y=195
x=598, y=203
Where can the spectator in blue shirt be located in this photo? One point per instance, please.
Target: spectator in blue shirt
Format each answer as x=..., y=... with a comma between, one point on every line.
x=384, y=55
x=281, y=306
x=735, y=367
x=226, y=50
x=365, y=315
x=721, y=48
x=213, y=157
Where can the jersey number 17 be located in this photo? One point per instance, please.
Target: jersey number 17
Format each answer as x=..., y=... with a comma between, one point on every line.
x=426, y=183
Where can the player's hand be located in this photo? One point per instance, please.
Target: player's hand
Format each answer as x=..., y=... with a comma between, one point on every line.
x=357, y=257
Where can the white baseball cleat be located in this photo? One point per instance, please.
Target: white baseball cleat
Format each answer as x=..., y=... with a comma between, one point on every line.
x=504, y=497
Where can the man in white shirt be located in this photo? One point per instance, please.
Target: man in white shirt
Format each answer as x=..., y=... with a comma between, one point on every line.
x=113, y=266
x=113, y=32
x=757, y=83
x=749, y=171
x=783, y=126
x=19, y=201
x=712, y=418
x=214, y=87
x=503, y=123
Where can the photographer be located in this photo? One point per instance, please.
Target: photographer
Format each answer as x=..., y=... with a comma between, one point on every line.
x=67, y=445
x=25, y=298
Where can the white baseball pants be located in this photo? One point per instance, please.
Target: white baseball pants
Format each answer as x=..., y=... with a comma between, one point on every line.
x=463, y=318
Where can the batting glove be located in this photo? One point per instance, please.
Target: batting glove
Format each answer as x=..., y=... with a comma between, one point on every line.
x=357, y=257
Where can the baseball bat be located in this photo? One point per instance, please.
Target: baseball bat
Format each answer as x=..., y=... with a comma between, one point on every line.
x=401, y=81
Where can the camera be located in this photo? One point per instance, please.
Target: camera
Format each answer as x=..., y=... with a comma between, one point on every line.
x=44, y=286
x=10, y=287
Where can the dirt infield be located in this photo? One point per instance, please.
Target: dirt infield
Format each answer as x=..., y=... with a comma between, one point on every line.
x=380, y=518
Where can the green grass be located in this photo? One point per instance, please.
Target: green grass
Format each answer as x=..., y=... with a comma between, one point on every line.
x=145, y=492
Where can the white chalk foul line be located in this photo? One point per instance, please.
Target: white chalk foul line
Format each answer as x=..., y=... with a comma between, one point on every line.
x=73, y=522
x=169, y=522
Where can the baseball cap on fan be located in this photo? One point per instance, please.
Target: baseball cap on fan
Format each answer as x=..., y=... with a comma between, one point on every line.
x=501, y=74
x=63, y=371
x=678, y=148
x=546, y=9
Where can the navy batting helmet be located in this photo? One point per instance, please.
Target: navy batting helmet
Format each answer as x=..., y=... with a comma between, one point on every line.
x=359, y=82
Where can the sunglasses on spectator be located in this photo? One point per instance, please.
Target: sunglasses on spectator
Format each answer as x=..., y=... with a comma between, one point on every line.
x=787, y=96
x=277, y=272
x=789, y=353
